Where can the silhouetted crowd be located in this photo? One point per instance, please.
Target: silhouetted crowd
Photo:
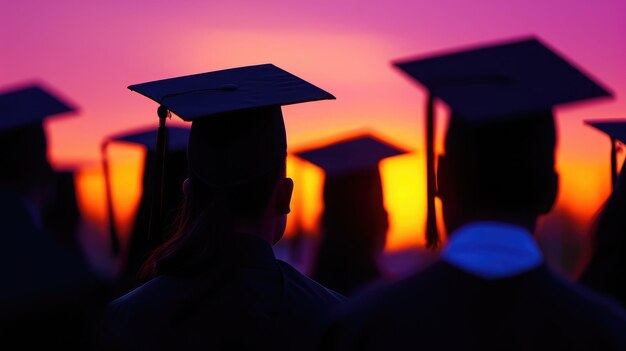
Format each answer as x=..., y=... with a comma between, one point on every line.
x=200, y=272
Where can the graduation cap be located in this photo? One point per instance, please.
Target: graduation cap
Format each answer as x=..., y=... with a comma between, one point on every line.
x=351, y=167
x=493, y=83
x=237, y=131
x=23, y=145
x=616, y=130
x=354, y=220
x=147, y=138
x=358, y=153
x=30, y=104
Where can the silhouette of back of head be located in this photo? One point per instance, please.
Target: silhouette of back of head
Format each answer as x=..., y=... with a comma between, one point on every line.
x=500, y=168
x=354, y=222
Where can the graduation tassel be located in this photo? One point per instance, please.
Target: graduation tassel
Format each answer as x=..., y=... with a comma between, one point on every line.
x=432, y=235
x=613, y=163
x=156, y=212
x=113, y=237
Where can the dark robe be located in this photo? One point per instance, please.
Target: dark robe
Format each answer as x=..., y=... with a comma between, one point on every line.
x=49, y=298
x=255, y=302
x=445, y=308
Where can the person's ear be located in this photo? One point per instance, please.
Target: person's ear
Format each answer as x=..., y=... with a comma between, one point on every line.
x=284, y=192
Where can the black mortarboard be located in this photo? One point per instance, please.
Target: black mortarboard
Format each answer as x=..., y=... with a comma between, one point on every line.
x=351, y=155
x=238, y=132
x=146, y=137
x=492, y=83
x=23, y=145
x=177, y=138
x=616, y=130
x=30, y=104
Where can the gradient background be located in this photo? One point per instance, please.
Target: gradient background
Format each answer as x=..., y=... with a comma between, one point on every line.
x=90, y=51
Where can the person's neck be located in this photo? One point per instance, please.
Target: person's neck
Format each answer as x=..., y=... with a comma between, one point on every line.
x=527, y=222
x=259, y=230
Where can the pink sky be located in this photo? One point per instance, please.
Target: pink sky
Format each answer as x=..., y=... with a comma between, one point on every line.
x=91, y=50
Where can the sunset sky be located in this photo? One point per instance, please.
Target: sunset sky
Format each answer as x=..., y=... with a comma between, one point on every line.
x=90, y=51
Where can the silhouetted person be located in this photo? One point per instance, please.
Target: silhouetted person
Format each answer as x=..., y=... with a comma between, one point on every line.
x=216, y=285
x=141, y=242
x=61, y=215
x=606, y=270
x=491, y=289
x=49, y=297
x=354, y=222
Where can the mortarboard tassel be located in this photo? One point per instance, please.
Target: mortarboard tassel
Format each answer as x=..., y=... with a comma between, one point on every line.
x=156, y=212
x=613, y=163
x=113, y=237
x=432, y=235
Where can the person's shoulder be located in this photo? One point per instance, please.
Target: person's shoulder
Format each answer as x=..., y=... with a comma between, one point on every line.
x=302, y=285
x=380, y=310
x=144, y=301
x=601, y=315
x=599, y=305
x=390, y=299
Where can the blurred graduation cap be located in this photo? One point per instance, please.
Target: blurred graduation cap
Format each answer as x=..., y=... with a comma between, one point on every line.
x=23, y=145
x=354, y=221
x=352, y=155
x=351, y=167
x=147, y=138
x=237, y=131
x=178, y=138
x=493, y=83
x=616, y=130
x=30, y=105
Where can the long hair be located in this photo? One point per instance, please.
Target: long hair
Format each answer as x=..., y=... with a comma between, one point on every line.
x=205, y=224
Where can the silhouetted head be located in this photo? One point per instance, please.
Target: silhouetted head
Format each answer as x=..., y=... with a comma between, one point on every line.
x=496, y=92
x=23, y=142
x=354, y=222
x=244, y=152
x=354, y=229
x=23, y=155
x=354, y=219
x=502, y=170
x=237, y=185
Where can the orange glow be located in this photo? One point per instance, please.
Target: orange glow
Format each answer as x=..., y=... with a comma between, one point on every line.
x=584, y=186
x=404, y=197
x=404, y=185
x=126, y=171
x=307, y=203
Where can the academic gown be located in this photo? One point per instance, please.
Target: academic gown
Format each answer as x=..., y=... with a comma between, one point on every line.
x=449, y=307
x=257, y=302
x=49, y=299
